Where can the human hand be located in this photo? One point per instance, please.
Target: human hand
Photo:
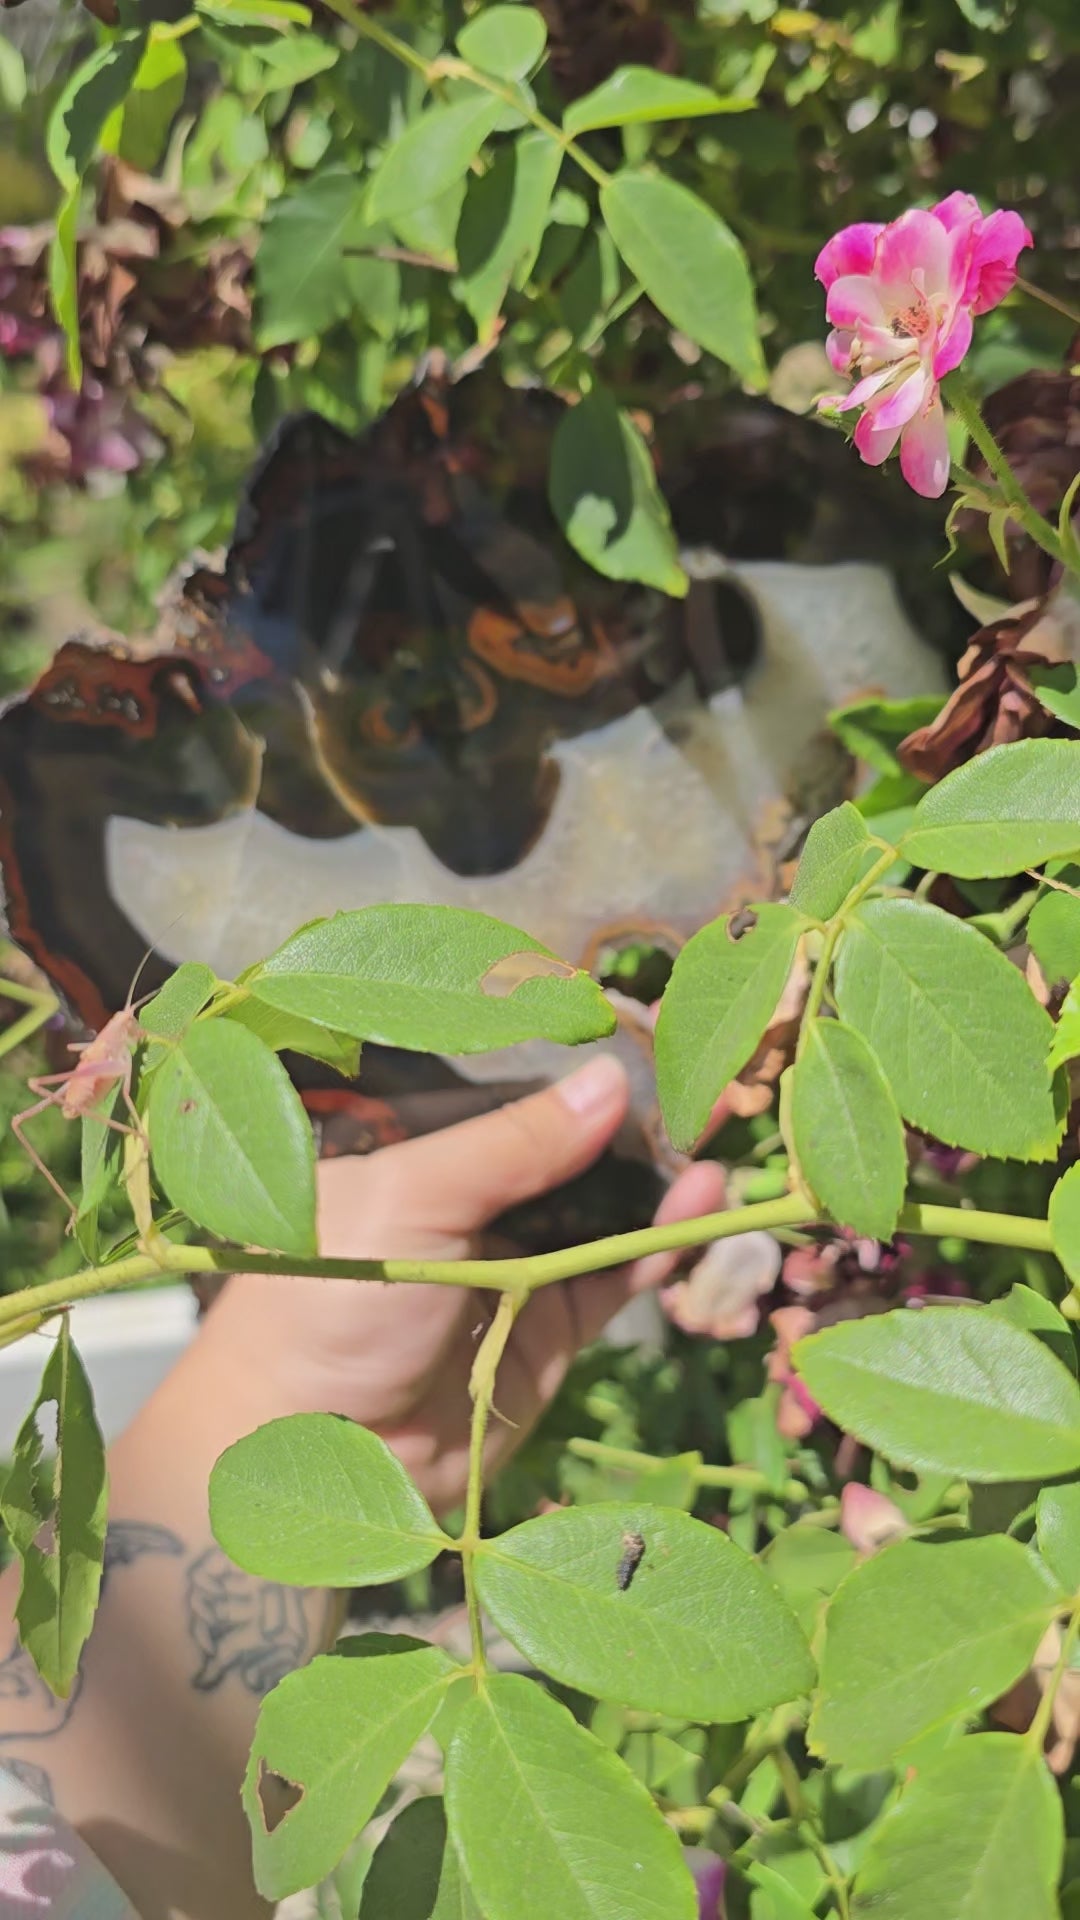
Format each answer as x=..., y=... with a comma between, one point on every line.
x=397, y=1358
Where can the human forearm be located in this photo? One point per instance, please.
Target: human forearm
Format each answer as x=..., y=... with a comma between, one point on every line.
x=146, y=1757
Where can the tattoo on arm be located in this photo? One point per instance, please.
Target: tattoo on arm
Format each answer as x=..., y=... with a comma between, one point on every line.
x=254, y=1630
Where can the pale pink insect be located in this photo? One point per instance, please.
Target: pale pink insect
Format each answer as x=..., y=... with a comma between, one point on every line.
x=105, y=1063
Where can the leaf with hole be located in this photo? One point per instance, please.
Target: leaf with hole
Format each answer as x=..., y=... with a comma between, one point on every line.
x=949, y=1390
x=636, y=94
x=431, y=979
x=723, y=991
x=61, y=1570
x=963, y=1621
x=1010, y=808
x=505, y=41
x=596, y=1846
x=435, y=150
x=314, y=1500
x=960, y=1036
x=847, y=1131
x=328, y=1741
x=693, y=1628
x=690, y=264
x=231, y=1142
x=837, y=852
x=605, y=496
x=977, y=1835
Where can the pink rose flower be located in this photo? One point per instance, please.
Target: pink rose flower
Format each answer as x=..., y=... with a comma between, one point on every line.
x=901, y=299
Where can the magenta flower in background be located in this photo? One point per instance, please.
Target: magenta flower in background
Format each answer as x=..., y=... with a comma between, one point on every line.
x=709, y=1873
x=901, y=299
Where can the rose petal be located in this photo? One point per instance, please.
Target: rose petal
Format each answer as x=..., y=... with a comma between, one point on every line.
x=998, y=242
x=849, y=251
x=955, y=343
x=895, y=409
x=914, y=256
x=838, y=347
x=862, y=393
x=855, y=301
x=957, y=210
x=874, y=445
x=924, y=450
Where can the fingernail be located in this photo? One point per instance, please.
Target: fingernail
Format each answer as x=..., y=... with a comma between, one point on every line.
x=595, y=1086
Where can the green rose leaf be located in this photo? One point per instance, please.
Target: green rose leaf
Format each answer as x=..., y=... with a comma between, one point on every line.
x=1057, y=689
x=156, y=96
x=316, y=1501
x=808, y=1564
x=88, y=98
x=505, y=41
x=872, y=728
x=697, y=1630
x=184, y=994
x=1065, y=1043
x=605, y=496
x=1064, y=1216
x=1007, y=809
x=1053, y=934
x=1057, y=1521
x=634, y=94
x=101, y=1153
x=61, y=1574
x=520, y=1768
x=961, y=1037
x=171, y=1012
x=837, y=851
x=978, y=1835
x=948, y=1390
x=289, y=59
x=231, y=1142
x=436, y=150
x=502, y=221
x=287, y=1033
x=305, y=278
x=848, y=1134
x=432, y=979
x=64, y=281
x=328, y=1741
x=1034, y=1313
x=416, y=1874
x=721, y=996
x=963, y=1621
x=689, y=263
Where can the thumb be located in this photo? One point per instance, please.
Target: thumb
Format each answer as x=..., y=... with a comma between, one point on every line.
x=459, y=1179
